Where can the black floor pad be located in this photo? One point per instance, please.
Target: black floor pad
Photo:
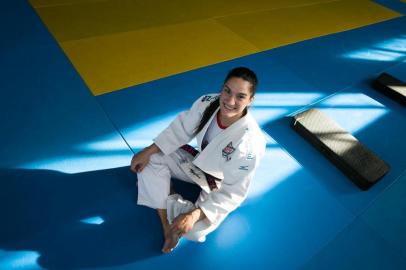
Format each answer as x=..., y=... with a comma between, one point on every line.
x=356, y=161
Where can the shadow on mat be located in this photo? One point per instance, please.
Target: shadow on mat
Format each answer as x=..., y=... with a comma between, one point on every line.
x=46, y=212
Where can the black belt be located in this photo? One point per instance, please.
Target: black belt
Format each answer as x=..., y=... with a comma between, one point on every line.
x=211, y=180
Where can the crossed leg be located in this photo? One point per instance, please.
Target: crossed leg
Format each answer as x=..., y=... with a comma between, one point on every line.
x=154, y=187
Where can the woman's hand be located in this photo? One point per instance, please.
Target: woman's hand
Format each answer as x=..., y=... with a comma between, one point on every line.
x=141, y=159
x=184, y=222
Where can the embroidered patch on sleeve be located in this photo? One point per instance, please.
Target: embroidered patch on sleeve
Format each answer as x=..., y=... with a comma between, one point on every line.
x=208, y=98
x=227, y=151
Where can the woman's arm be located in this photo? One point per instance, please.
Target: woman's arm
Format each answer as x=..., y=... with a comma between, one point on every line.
x=141, y=159
x=238, y=173
x=182, y=128
x=179, y=132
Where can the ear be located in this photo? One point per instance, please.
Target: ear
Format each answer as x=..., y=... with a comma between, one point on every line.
x=251, y=100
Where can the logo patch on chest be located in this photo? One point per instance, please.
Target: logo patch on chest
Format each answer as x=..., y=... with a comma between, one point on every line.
x=227, y=151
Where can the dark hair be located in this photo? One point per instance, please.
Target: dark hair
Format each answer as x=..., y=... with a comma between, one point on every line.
x=238, y=72
x=245, y=74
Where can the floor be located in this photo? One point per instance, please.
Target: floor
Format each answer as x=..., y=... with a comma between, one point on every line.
x=87, y=83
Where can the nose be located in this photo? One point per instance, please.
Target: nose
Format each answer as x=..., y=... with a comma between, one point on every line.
x=230, y=100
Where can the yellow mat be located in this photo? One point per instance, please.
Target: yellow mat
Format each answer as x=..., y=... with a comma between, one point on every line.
x=116, y=44
x=76, y=19
x=116, y=61
x=270, y=29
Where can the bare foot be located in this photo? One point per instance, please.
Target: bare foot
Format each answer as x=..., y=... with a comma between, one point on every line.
x=171, y=241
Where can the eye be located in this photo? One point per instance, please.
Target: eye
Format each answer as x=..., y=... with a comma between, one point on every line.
x=241, y=97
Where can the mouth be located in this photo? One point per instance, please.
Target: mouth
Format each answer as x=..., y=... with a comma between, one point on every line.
x=228, y=108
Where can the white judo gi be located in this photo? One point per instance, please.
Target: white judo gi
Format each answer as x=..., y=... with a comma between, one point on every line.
x=232, y=157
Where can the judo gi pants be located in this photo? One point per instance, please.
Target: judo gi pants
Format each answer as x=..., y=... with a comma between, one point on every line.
x=154, y=185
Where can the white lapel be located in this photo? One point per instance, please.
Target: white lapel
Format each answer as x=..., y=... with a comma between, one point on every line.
x=211, y=158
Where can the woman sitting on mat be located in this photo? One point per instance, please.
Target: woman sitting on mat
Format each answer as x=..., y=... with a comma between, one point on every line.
x=231, y=144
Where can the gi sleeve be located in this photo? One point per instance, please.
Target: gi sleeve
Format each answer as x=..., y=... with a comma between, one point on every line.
x=181, y=130
x=233, y=190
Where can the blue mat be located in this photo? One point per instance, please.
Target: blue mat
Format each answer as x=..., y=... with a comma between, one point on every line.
x=387, y=215
x=365, y=118
x=67, y=197
x=296, y=188
x=62, y=163
x=357, y=247
x=396, y=5
x=333, y=62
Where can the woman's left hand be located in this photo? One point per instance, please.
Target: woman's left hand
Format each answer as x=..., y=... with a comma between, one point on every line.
x=182, y=224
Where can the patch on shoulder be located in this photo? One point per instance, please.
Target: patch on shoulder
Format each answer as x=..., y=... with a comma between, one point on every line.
x=209, y=98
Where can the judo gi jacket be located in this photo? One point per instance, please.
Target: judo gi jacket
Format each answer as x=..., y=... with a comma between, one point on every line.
x=232, y=157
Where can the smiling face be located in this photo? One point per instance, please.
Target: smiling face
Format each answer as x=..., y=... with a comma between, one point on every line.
x=235, y=96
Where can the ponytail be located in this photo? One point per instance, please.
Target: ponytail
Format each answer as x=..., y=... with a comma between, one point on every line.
x=208, y=112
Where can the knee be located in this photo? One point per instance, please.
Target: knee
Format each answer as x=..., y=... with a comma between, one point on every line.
x=156, y=161
x=156, y=158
